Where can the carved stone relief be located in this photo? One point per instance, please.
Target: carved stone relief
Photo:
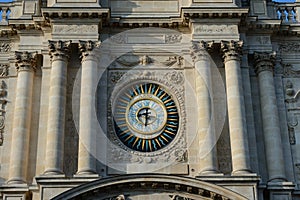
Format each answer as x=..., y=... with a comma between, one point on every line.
x=3, y=101
x=289, y=47
x=173, y=38
x=168, y=38
x=293, y=109
x=224, y=153
x=66, y=29
x=177, y=197
x=4, y=70
x=132, y=60
x=289, y=71
x=215, y=29
x=5, y=47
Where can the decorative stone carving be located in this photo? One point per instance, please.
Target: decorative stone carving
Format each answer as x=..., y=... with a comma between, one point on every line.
x=199, y=51
x=119, y=38
x=120, y=197
x=289, y=88
x=59, y=49
x=86, y=48
x=231, y=50
x=116, y=76
x=4, y=70
x=129, y=60
x=173, y=38
x=75, y=28
x=5, y=47
x=145, y=60
x=3, y=101
x=175, y=77
x=288, y=71
x=174, y=152
x=215, y=29
x=26, y=60
x=174, y=61
x=263, y=39
x=177, y=197
x=264, y=61
x=292, y=123
x=289, y=47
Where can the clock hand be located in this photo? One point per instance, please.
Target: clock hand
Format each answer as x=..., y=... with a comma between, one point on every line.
x=147, y=116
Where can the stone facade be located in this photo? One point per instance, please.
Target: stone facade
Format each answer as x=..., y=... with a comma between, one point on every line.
x=222, y=76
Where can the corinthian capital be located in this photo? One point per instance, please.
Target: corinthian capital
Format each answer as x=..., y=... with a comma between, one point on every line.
x=59, y=49
x=264, y=61
x=199, y=51
x=25, y=60
x=86, y=48
x=232, y=50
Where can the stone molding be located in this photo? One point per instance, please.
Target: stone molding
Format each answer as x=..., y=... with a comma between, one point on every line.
x=59, y=49
x=199, y=50
x=87, y=49
x=139, y=184
x=264, y=61
x=26, y=61
x=232, y=50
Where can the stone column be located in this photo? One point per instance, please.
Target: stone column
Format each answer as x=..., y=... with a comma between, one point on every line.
x=56, y=112
x=236, y=107
x=264, y=64
x=87, y=121
x=205, y=131
x=26, y=63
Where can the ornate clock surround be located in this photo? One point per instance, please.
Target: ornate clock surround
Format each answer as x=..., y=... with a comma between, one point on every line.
x=173, y=83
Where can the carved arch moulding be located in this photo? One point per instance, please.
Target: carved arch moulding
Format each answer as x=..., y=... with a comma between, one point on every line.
x=126, y=186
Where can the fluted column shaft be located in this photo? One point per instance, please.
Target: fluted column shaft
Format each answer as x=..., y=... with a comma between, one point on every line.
x=87, y=121
x=264, y=64
x=56, y=112
x=205, y=131
x=236, y=108
x=26, y=63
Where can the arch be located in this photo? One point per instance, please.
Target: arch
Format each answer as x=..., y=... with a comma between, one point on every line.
x=138, y=184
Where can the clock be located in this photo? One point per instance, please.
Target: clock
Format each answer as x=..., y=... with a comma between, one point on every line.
x=145, y=117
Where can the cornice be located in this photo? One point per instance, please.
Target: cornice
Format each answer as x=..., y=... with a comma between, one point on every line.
x=214, y=12
x=68, y=12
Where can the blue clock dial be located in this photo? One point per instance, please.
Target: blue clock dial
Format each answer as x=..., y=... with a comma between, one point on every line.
x=146, y=118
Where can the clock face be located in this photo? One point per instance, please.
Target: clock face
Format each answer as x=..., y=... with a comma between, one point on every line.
x=145, y=117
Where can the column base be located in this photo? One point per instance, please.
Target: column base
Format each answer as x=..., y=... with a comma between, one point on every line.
x=280, y=185
x=280, y=190
x=86, y=173
x=16, y=181
x=210, y=173
x=53, y=172
x=243, y=172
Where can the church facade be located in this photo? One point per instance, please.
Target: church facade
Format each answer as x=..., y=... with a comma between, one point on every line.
x=139, y=99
